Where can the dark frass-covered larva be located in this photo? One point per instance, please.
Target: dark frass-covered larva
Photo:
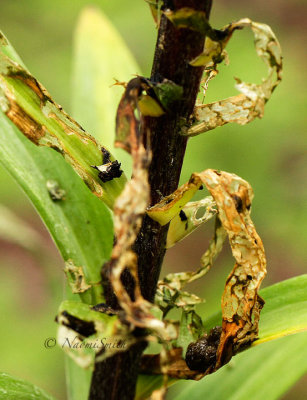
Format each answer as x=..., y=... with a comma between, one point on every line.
x=109, y=169
x=202, y=354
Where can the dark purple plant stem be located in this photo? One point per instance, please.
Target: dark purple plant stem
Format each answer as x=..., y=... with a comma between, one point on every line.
x=115, y=378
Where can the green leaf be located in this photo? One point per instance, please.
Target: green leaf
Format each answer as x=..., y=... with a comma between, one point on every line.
x=101, y=56
x=17, y=389
x=80, y=224
x=27, y=103
x=284, y=312
x=264, y=372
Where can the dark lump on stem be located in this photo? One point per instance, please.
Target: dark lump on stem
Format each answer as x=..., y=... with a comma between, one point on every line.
x=202, y=354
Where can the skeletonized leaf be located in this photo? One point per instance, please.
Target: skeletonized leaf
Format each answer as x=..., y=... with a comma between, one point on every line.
x=248, y=105
x=85, y=331
x=241, y=304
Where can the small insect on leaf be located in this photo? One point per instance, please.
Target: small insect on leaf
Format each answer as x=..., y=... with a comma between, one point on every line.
x=55, y=191
x=109, y=169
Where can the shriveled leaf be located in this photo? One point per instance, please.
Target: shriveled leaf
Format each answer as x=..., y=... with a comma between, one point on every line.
x=29, y=106
x=241, y=304
x=129, y=210
x=100, y=57
x=143, y=97
x=18, y=389
x=242, y=108
x=248, y=105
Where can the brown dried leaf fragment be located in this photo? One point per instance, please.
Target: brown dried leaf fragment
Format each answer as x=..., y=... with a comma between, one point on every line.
x=241, y=304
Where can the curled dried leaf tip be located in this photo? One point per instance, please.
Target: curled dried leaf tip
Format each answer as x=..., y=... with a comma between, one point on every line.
x=242, y=108
x=241, y=304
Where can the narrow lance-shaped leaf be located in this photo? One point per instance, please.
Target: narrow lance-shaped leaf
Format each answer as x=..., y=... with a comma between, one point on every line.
x=79, y=223
x=29, y=106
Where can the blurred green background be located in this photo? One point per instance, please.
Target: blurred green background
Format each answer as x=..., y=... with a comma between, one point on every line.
x=269, y=153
